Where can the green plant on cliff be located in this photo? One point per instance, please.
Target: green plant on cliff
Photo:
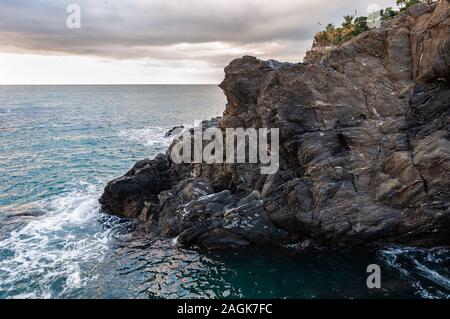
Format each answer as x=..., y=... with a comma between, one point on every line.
x=361, y=25
x=334, y=35
x=352, y=26
x=405, y=4
x=388, y=13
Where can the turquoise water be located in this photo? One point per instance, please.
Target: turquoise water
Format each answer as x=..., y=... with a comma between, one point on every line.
x=61, y=144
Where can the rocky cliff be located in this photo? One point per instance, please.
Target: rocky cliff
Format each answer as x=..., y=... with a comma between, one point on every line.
x=364, y=150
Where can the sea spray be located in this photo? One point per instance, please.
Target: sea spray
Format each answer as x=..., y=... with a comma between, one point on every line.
x=49, y=247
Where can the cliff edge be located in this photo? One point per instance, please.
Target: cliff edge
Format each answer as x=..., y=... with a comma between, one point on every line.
x=364, y=149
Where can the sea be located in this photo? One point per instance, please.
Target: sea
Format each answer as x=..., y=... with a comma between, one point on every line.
x=60, y=145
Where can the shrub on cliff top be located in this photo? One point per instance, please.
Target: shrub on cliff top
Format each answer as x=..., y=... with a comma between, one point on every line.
x=352, y=26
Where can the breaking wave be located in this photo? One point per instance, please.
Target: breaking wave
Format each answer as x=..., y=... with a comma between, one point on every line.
x=152, y=137
x=51, y=245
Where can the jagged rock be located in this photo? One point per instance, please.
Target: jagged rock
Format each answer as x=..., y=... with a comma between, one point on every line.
x=364, y=149
x=177, y=130
x=131, y=195
x=193, y=212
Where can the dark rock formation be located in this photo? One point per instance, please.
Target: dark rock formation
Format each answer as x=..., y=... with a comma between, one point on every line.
x=177, y=130
x=364, y=150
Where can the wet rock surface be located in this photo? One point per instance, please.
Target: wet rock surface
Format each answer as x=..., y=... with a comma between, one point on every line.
x=364, y=150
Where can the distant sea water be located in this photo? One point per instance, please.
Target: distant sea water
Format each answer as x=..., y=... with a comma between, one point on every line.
x=59, y=145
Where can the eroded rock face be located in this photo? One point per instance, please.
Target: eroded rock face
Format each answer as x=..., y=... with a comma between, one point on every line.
x=364, y=150
x=132, y=194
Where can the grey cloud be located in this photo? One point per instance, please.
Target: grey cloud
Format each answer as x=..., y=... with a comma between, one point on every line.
x=153, y=29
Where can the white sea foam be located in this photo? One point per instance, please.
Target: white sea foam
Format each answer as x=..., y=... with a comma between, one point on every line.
x=433, y=275
x=5, y=112
x=45, y=254
x=74, y=279
x=152, y=137
x=417, y=264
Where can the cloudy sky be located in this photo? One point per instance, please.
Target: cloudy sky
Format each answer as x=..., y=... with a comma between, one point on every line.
x=156, y=41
